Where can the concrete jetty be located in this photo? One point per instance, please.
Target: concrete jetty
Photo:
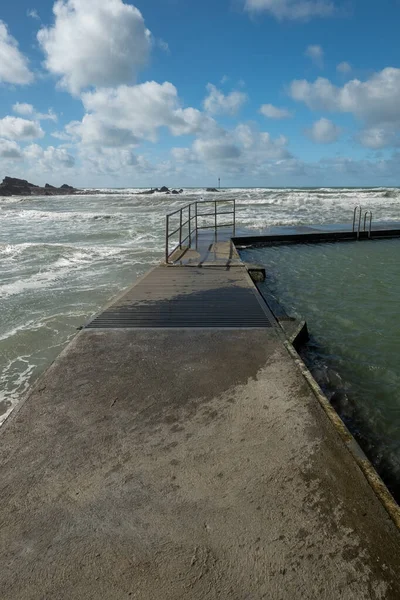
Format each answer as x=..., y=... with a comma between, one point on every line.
x=175, y=449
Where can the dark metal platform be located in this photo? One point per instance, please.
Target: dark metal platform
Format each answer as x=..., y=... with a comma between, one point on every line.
x=167, y=297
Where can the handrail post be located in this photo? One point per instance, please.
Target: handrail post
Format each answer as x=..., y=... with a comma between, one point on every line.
x=166, y=239
x=195, y=216
x=356, y=208
x=368, y=213
x=180, y=228
x=234, y=216
x=215, y=215
x=190, y=225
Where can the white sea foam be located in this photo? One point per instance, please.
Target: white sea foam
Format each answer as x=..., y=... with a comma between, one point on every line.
x=61, y=259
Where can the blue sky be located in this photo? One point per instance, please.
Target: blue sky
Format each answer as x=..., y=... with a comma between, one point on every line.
x=179, y=92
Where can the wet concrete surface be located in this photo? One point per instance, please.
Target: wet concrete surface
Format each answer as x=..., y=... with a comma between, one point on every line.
x=185, y=464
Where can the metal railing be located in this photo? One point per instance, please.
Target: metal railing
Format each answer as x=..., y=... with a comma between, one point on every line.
x=358, y=213
x=189, y=220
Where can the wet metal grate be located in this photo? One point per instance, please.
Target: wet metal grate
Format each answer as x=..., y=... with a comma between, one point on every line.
x=188, y=297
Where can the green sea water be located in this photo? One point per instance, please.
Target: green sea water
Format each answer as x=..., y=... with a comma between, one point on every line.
x=349, y=294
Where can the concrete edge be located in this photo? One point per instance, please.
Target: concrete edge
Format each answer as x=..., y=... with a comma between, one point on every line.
x=312, y=237
x=369, y=471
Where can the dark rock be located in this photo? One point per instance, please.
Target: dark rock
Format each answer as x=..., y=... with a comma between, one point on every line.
x=181, y=191
x=163, y=189
x=11, y=186
x=211, y=190
x=174, y=192
x=15, y=181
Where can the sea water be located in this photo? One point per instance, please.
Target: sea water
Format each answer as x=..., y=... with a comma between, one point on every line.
x=62, y=258
x=349, y=295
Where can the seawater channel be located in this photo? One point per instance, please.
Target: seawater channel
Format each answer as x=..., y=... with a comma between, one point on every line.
x=349, y=295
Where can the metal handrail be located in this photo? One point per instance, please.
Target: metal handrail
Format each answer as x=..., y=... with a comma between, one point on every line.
x=359, y=219
x=368, y=213
x=193, y=231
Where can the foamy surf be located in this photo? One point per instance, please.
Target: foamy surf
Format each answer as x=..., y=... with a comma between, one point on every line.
x=61, y=259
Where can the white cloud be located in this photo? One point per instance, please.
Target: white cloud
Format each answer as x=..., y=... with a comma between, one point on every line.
x=33, y=14
x=316, y=54
x=163, y=45
x=49, y=116
x=126, y=114
x=9, y=150
x=343, y=67
x=244, y=149
x=183, y=155
x=273, y=112
x=22, y=108
x=95, y=43
x=48, y=159
x=260, y=146
x=377, y=138
x=375, y=100
x=216, y=102
x=216, y=149
x=92, y=131
x=114, y=161
x=13, y=64
x=15, y=128
x=324, y=132
x=298, y=10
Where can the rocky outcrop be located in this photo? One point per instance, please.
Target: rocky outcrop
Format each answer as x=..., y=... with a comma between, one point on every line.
x=212, y=190
x=11, y=186
x=162, y=189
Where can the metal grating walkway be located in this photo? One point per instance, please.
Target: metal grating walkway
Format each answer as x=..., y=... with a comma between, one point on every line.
x=188, y=297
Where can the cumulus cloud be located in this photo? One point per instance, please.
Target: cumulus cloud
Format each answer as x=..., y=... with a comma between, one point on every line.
x=22, y=108
x=344, y=67
x=128, y=114
x=217, y=102
x=324, y=132
x=10, y=150
x=15, y=128
x=13, y=64
x=377, y=138
x=316, y=54
x=376, y=100
x=244, y=149
x=93, y=131
x=95, y=43
x=115, y=161
x=273, y=112
x=218, y=149
x=50, y=158
x=297, y=10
